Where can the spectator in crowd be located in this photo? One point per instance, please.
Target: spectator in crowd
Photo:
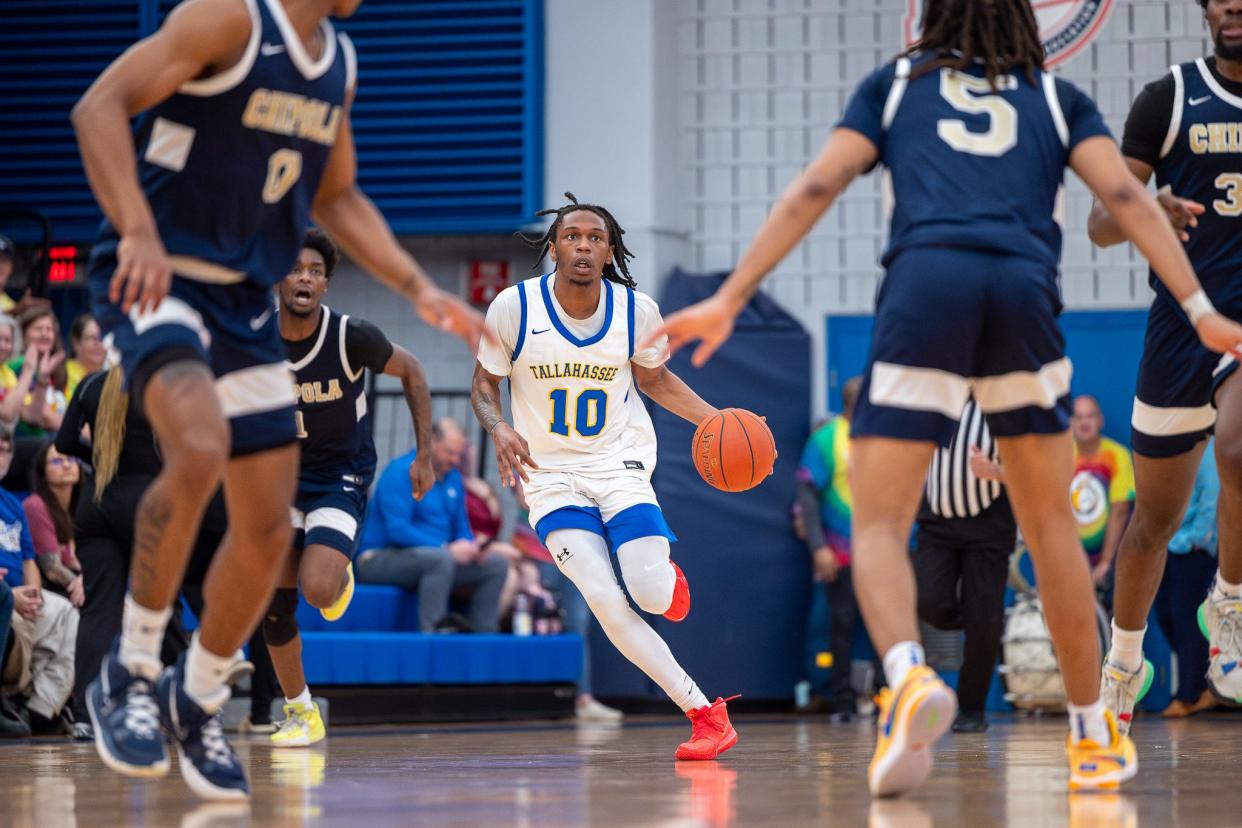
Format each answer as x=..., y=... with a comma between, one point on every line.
x=57, y=481
x=1102, y=490
x=102, y=428
x=44, y=624
x=826, y=503
x=965, y=534
x=15, y=398
x=427, y=545
x=88, y=352
x=1188, y=573
x=41, y=332
x=7, y=306
x=484, y=516
x=11, y=726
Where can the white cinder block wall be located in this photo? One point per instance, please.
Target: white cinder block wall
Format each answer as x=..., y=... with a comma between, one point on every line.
x=689, y=117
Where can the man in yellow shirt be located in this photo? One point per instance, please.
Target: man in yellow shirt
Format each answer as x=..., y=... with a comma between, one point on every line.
x=1102, y=489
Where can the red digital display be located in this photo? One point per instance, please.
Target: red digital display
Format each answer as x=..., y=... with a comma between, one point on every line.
x=64, y=264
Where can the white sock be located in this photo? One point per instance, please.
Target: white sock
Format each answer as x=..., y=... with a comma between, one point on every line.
x=1087, y=722
x=142, y=634
x=900, y=658
x=1126, y=651
x=588, y=564
x=302, y=699
x=205, y=673
x=1224, y=589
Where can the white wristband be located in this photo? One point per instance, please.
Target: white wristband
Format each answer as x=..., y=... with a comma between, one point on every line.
x=1197, y=306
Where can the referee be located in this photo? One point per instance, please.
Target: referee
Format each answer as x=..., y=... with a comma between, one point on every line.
x=965, y=535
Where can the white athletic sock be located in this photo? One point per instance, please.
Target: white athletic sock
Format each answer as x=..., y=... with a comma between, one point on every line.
x=900, y=658
x=1087, y=722
x=303, y=699
x=1126, y=650
x=142, y=633
x=586, y=562
x=204, y=676
x=1224, y=589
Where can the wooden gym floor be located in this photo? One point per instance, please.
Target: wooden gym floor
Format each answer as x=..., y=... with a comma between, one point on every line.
x=784, y=772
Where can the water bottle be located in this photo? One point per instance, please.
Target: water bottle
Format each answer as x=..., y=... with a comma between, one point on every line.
x=521, y=615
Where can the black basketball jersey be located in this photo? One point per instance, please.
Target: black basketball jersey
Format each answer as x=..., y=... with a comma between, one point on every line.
x=334, y=425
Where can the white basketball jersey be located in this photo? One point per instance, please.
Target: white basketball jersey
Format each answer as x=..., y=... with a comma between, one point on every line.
x=574, y=399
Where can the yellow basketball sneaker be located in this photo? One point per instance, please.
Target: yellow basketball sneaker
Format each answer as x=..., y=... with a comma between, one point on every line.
x=912, y=718
x=302, y=726
x=334, y=612
x=1094, y=766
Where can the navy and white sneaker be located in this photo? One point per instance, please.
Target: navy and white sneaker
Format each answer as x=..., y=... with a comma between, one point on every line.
x=126, y=721
x=208, y=763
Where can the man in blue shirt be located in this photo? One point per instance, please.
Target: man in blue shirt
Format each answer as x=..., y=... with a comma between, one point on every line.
x=1188, y=573
x=427, y=544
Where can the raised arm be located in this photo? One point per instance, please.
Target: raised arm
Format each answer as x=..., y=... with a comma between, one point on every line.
x=354, y=222
x=405, y=366
x=671, y=393
x=846, y=155
x=512, y=450
x=199, y=37
x=1098, y=162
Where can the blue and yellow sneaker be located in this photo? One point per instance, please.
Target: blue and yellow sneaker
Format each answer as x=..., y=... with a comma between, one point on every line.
x=208, y=763
x=1220, y=621
x=334, y=612
x=1121, y=690
x=912, y=718
x=1093, y=766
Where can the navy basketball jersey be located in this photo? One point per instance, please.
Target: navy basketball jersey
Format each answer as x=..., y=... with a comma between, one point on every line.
x=1202, y=160
x=334, y=425
x=971, y=166
x=231, y=163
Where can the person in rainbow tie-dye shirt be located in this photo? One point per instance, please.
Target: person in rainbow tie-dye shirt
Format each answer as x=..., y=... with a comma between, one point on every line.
x=1102, y=490
x=825, y=494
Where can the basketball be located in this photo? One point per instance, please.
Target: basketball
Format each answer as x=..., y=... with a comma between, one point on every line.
x=734, y=450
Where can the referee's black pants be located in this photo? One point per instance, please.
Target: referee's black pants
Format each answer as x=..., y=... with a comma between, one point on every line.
x=961, y=566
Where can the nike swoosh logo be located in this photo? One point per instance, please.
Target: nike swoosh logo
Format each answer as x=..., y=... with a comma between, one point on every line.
x=534, y=332
x=269, y=49
x=1197, y=101
x=652, y=566
x=260, y=320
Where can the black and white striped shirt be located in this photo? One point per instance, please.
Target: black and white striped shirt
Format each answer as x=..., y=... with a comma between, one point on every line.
x=952, y=490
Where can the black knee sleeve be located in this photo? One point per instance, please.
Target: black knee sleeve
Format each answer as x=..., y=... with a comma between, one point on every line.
x=280, y=624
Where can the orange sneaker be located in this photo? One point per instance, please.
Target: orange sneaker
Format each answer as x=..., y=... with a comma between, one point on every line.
x=712, y=733
x=680, y=608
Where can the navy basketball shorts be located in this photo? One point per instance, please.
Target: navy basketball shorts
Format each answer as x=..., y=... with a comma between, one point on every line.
x=332, y=519
x=230, y=328
x=952, y=323
x=1174, y=403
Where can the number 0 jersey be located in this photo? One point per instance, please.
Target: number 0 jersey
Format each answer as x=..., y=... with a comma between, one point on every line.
x=973, y=167
x=231, y=163
x=573, y=393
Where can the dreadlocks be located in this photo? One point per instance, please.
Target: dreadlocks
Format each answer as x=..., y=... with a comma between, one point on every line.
x=618, y=269
x=1000, y=33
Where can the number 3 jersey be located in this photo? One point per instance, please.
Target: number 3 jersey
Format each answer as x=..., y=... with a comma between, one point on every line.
x=972, y=166
x=230, y=163
x=573, y=393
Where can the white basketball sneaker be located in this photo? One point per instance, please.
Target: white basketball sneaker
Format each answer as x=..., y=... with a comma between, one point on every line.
x=1220, y=620
x=1121, y=689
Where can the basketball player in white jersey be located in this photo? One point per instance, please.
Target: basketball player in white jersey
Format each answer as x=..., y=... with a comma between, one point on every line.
x=583, y=442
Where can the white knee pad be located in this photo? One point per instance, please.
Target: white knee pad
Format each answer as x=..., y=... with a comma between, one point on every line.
x=648, y=576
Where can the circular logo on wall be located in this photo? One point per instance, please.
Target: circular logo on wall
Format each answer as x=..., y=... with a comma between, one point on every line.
x=1065, y=26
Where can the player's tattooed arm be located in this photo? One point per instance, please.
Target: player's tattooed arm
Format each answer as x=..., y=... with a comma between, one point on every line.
x=670, y=392
x=409, y=370
x=512, y=450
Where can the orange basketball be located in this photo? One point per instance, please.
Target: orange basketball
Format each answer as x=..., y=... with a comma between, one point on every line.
x=734, y=450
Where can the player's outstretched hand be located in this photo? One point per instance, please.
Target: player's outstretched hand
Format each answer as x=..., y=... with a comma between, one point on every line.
x=143, y=274
x=1220, y=334
x=449, y=313
x=512, y=454
x=709, y=322
x=422, y=476
x=1182, y=212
